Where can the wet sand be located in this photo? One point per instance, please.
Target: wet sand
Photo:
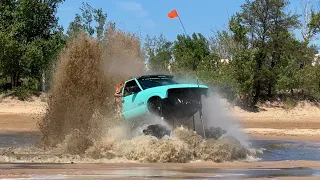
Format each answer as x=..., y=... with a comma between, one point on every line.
x=280, y=170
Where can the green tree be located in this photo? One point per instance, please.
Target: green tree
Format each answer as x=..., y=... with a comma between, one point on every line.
x=306, y=31
x=190, y=52
x=100, y=18
x=84, y=22
x=263, y=26
x=309, y=79
x=224, y=45
x=243, y=61
x=315, y=22
x=75, y=27
x=87, y=18
x=31, y=37
x=295, y=57
x=159, y=52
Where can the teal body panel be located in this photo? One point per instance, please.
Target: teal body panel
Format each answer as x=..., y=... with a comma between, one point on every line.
x=135, y=105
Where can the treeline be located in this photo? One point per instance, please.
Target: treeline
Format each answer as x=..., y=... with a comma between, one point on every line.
x=31, y=40
x=256, y=58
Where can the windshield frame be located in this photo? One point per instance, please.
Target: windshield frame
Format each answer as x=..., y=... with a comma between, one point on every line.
x=153, y=79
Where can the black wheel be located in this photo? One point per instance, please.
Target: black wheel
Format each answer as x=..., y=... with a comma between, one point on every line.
x=215, y=132
x=155, y=106
x=157, y=131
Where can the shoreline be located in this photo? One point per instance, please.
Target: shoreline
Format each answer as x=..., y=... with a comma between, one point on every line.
x=285, y=138
x=222, y=165
x=301, y=123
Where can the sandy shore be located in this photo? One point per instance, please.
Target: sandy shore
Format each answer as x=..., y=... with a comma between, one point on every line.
x=20, y=116
x=300, y=123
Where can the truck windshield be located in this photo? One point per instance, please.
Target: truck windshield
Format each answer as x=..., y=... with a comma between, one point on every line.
x=154, y=82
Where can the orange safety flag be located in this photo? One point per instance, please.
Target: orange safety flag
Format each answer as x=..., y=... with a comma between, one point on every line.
x=173, y=14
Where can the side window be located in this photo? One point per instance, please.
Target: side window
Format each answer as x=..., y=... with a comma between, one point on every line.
x=131, y=87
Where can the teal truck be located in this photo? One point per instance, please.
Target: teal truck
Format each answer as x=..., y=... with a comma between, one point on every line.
x=162, y=96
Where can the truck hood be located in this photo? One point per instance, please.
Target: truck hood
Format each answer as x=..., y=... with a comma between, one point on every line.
x=187, y=86
x=172, y=87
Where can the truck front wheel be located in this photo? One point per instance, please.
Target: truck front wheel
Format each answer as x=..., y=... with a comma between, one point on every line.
x=155, y=106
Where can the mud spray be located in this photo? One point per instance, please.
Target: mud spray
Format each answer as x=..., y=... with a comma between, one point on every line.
x=80, y=124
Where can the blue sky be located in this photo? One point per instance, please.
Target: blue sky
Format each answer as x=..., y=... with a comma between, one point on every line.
x=150, y=16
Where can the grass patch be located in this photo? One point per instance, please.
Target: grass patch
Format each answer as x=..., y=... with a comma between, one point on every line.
x=290, y=103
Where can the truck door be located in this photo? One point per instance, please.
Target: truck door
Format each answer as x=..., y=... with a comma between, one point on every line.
x=129, y=103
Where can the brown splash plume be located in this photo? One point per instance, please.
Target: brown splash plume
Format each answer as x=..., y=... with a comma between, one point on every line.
x=78, y=91
x=81, y=95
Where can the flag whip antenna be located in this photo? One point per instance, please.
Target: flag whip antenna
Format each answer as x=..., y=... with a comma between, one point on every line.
x=174, y=14
x=182, y=26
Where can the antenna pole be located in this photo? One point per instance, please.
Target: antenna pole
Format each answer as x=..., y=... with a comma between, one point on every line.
x=182, y=26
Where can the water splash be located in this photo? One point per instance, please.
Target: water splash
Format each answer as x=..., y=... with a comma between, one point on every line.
x=184, y=146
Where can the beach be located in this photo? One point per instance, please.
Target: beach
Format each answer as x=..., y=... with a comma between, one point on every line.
x=299, y=123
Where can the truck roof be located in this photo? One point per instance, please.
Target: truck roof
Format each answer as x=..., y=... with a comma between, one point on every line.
x=159, y=76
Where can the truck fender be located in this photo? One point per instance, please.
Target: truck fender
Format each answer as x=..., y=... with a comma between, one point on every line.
x=162, y=96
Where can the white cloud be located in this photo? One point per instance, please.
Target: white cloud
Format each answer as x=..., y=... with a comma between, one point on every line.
x=149, y=23
x=138, y=10
x=134, y=7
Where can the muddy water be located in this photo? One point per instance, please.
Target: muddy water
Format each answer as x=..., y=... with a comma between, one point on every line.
x=271, y=150
x=182, y=147
x=279, y=150
x=17, y=140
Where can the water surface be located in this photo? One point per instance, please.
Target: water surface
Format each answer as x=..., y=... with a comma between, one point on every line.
x=273, y=150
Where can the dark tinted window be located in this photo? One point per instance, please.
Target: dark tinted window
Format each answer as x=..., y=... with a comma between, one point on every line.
x=131, y=87
x=154, y=82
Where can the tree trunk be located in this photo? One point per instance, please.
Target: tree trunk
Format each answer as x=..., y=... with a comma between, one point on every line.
x=257, y=94
x=13, y=80
x=270, y=83
x=270, y=88
x=43, y=82
x=17, y=80
x=257, y=88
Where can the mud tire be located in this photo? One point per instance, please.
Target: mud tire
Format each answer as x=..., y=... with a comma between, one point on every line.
x=215, y=132
x=156, y=130
x=155, y=106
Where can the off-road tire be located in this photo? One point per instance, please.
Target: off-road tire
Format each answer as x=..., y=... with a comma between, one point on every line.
x=215, y=132
x=157, y=130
